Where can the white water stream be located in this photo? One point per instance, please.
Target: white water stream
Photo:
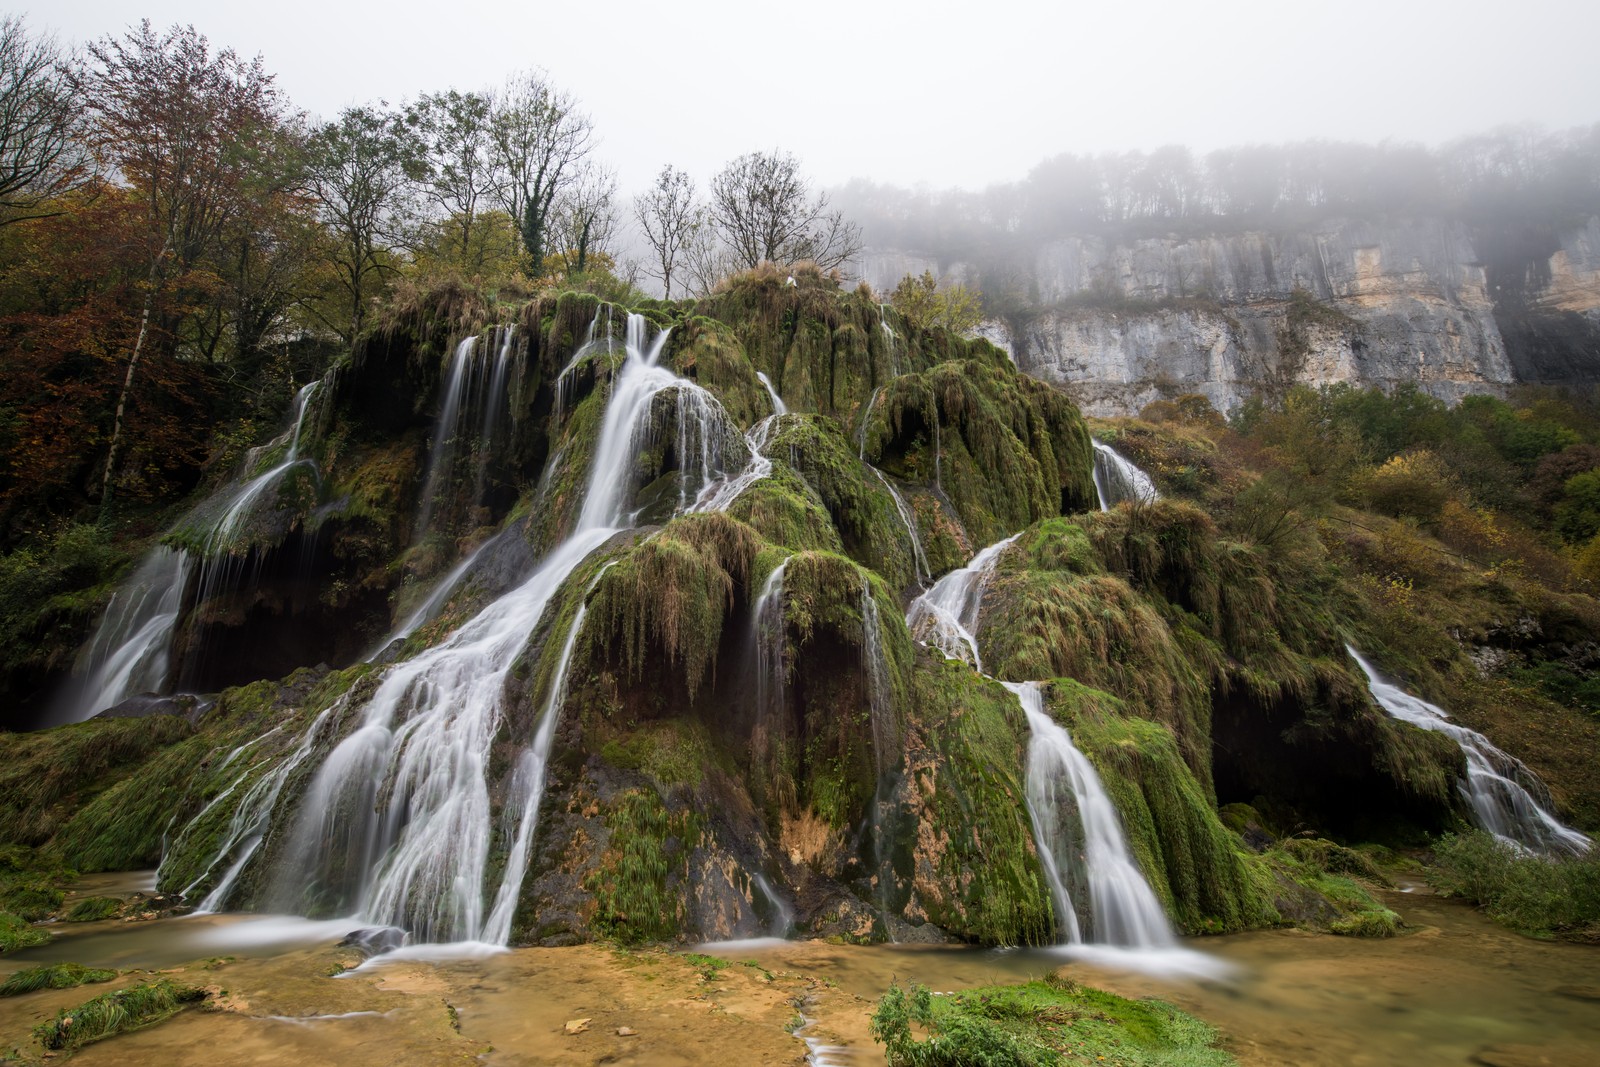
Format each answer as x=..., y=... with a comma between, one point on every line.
x=1499, y=787
x=1117, y=479
x=397, y=825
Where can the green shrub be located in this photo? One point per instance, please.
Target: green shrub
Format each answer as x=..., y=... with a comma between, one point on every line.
x=1537, y=896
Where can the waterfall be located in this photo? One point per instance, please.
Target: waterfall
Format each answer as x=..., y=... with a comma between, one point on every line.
x=1076, y=828
x=1499, y=788
x=769, y=644
x=918, y=559
x=1123, y=910
x=396, y=827
x=720, y=495
x=866, y=420
x=778, y=406
x=223, y=555
x=130, y=650
x=946, y=616
x=1116, y=479
x=470, y=408
x=782, y=913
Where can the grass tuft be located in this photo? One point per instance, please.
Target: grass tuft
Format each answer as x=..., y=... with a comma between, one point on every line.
x=53, y=976
x=117, y=1012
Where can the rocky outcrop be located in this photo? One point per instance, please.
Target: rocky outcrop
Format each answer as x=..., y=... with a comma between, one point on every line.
x=1120, y=322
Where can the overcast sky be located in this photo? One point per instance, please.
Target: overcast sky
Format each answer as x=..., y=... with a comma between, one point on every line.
x=933, y=93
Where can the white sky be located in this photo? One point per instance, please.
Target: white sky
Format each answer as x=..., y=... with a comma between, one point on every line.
x=936, y=93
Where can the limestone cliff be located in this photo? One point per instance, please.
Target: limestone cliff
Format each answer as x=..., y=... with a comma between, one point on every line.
x=1124, y=321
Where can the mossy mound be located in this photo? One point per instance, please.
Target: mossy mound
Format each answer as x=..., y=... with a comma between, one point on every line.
x=1204, y=876
x=974, y=868
x=1005, y=450
x=117, y=1012
x=1042, y=1023
x=53, y=976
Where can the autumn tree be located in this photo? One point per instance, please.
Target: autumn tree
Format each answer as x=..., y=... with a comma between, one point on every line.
x=187, y=131
x=42, y=152
x=922, y=302
x=359, y=169
x=669, y=217
x=763, y=207
x=539, y=140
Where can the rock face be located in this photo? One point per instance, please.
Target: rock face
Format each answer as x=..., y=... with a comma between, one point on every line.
x=1121, y=322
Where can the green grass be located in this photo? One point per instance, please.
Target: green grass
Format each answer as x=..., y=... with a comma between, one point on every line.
x=1536, y=896
x=93, y=909
x=117, y=1012
x=1041, y=1023
x=53, y=976
x=15, y=933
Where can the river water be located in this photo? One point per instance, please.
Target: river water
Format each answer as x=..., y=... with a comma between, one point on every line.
x=1455, y=990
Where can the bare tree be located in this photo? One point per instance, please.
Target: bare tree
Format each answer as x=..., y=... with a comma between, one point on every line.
x=586, y=216
x=459, y=175
x=669, y=217
x=42, y=151
x=539, y=138
x=763, y=208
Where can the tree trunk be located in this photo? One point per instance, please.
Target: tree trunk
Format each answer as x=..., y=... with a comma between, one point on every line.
x=127, y=379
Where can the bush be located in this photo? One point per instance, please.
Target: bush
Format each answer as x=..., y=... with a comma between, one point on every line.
x=1416, y=485
x=1536, y=896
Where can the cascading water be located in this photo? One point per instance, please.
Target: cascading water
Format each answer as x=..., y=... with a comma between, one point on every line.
x=778, y=406
x=129, y=651
x=470, y=410
x=224, y=553
x=769, y=648
x=946, y=616
x=1072, y=814
x=918, y=558
x=396, y=826
x=1076, y=828
x=720, y=495
x=1498, y=787
x=1116, y=479
x=866, y=420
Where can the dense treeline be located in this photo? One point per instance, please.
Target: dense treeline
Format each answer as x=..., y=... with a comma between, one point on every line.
x=1514, y=175
x=180, y=247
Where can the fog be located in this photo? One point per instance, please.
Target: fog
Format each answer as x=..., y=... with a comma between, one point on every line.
x=934, y=94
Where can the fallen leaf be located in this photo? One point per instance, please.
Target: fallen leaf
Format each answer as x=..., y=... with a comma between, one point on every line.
x=577, y=1026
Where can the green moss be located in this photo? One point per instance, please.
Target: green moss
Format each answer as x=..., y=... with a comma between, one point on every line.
x=673, y=753
x=47, y=776
x=669, y=597
x=1198, y=868
x=1313, y=894
x=633, y=902
x=1038, y=1024
x=118, y=1012
x=15, y=933
x=972, y=789
x=93, y=909
x=53, y=976
x=1005, y=449
x=860, y=507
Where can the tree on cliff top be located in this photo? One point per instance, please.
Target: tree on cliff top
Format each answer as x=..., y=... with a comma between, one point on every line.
x=762, y=206
x=539, y=139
